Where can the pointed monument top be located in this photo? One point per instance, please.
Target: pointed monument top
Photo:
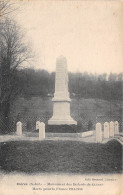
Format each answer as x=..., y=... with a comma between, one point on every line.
x=61, y=60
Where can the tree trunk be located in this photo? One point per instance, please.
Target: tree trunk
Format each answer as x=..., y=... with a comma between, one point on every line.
x=5, y=97
x=4, y=118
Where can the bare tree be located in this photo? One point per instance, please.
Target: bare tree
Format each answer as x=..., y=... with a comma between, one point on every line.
x=13, y=53
x=6, y=7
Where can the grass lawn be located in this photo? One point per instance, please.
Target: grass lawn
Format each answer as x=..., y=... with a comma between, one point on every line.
x=61, y=156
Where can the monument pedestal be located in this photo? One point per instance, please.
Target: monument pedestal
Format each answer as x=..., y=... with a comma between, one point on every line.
x=61, y=100
x=61, y=114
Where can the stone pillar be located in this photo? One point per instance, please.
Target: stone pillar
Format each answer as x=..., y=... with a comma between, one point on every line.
x=111, y=129
x=41, y=131
x=37, y=125
x=106, y=130
x=61, y=100
x=116, y=128
x=19, y=128
x=98, y=132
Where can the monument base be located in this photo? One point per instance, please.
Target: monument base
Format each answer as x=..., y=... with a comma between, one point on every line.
x=62, y=122
x=61, y=114
x=61, y=129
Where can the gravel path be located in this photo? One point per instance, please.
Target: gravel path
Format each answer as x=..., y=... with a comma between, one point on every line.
x=29, y=136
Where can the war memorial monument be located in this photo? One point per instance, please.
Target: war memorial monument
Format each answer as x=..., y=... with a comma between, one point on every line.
x=61, y=100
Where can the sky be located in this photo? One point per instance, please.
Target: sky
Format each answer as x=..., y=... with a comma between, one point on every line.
x=88, y=33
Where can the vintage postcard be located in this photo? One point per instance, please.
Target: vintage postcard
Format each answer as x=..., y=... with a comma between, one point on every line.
x=61, y=87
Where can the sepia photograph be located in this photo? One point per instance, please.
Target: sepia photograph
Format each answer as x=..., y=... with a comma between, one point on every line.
x=61, y=97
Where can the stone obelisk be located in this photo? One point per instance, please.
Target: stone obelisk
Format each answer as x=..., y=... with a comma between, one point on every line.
x=61, y=100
